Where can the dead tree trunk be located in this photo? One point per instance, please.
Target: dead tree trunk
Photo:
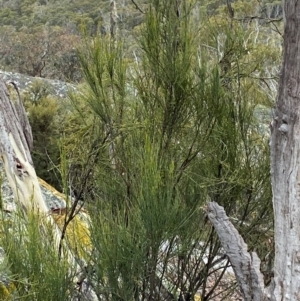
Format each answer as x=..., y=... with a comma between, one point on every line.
x=15, y=144
x=285, y=162
x=285, y=175
x=113, y=19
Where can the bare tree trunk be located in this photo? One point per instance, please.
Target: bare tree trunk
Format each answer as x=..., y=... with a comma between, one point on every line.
x=15, y=144
x=113, y=19
x=285, y=175
x=285, y=162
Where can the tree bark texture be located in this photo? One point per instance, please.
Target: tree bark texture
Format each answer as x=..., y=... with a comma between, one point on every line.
x=15, y=144
x=285, y=162
x=246, y=265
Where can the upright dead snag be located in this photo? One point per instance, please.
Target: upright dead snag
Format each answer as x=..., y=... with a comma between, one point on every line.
x=15, y=144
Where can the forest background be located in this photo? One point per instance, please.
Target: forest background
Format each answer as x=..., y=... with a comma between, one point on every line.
x=170, y=110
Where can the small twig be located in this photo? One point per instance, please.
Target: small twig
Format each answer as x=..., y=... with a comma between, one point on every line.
x=269, y=20
x=276, y=29
x=137, y=7
x=213, y=289
x=54, y=167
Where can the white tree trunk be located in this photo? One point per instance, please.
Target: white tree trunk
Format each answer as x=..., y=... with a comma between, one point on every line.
x=15, y=144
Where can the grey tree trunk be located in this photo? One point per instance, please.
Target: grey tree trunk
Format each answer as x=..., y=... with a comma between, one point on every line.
x=285, y=175
x=245, y=265
x=285, y=162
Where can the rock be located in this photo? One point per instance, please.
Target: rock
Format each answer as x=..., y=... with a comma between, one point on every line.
x=24, y=82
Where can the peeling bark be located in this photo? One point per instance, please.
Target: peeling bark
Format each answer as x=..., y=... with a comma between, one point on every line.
x=15, y=144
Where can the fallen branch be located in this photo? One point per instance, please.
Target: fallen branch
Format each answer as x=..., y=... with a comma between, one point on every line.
x=246, y=265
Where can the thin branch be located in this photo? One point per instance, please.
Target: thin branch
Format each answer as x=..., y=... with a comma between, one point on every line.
x=137, y=7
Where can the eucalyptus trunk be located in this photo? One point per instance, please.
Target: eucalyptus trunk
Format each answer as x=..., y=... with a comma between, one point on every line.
x=15, y=145
x=285, y=162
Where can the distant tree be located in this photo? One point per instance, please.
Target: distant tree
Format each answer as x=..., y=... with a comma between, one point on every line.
x=42, y=52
